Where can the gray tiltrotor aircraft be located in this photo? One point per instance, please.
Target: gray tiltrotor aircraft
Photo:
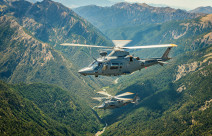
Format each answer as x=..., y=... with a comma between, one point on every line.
x=111, y=102
x=119, y=61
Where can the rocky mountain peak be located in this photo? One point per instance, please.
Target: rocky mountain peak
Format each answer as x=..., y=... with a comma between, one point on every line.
x=121, y=4
x=126, y=5
x=142, y=4
x=206, y=10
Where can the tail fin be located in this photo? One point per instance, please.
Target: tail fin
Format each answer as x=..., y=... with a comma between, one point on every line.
x=166, y=53
x=136, y=99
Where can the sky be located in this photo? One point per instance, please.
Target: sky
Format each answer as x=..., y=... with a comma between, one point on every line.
x=183, y=4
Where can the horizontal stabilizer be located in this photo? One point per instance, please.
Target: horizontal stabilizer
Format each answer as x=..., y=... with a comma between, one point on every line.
x=162, y=63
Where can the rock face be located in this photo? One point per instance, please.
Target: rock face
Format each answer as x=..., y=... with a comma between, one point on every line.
x=54, y=23
x=24, y=58
x=125, y=14
x=185, y=69
x=206, y=10
x=36, y=32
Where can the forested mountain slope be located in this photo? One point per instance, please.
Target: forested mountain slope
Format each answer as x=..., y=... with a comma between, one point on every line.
x=175, y=100
x=30, y=38
x=53, y=23
x=20, y=116
x=26, y=57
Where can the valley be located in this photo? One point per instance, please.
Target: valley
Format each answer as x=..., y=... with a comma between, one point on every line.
x=42, y=92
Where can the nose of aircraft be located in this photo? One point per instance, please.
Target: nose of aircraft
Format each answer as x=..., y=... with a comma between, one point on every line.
x=86, y=71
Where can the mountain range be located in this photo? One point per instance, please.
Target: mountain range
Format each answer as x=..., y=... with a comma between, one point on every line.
x=74, y=3
x=30, y=52
x=42, y=93
x=126, y=14
x=206, y=10
x=163, y=91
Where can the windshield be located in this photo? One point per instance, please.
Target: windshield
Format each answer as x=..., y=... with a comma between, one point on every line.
x=95, y=65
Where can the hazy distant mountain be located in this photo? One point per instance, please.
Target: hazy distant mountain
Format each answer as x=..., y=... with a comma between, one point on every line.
x=125, y=14
x=33, y=1
x=206, y=10
x=78, y=3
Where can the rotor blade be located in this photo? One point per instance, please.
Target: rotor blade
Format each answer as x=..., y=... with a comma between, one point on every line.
x=84, y=45
x=104, y=93
x=121, y=43
x=124, y=94
x=150, y=46
x=125, y=99
x=99, y=98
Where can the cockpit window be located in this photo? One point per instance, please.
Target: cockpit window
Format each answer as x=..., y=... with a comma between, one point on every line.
x=103, y=105
x=95, y=65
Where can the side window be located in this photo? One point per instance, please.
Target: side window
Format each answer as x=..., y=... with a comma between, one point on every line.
x=131, y=58
x=121, y=65
x=114, y=66
x=99, y=64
